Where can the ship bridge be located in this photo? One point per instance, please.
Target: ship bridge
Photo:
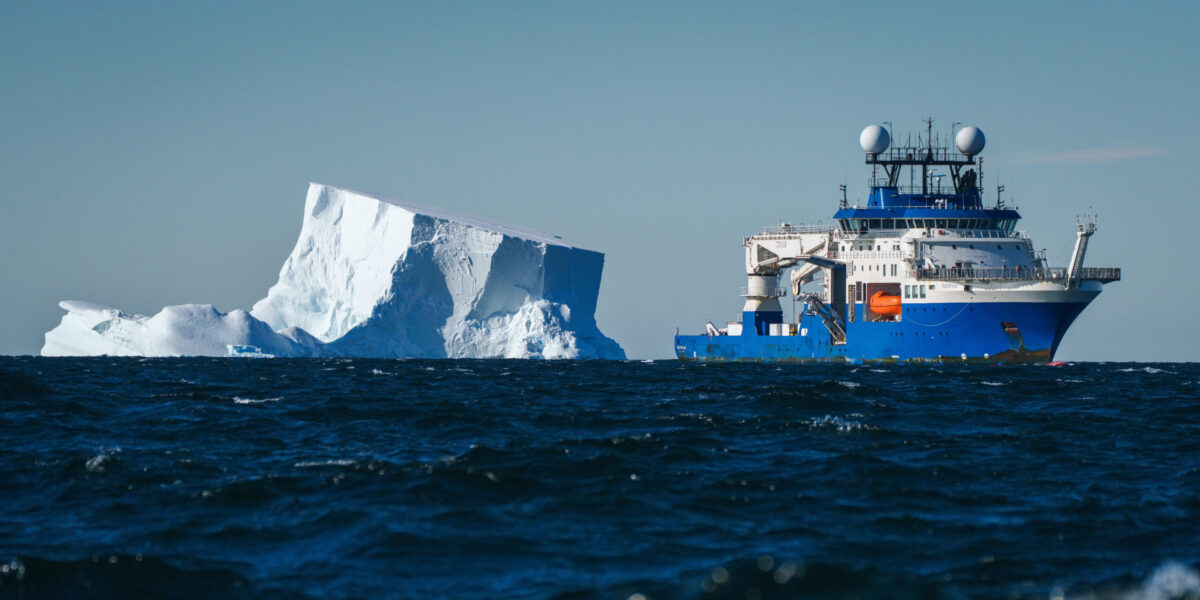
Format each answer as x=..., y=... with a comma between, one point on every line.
x=943, y=188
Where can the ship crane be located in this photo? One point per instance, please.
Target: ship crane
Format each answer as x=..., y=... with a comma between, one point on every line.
x=775, y=250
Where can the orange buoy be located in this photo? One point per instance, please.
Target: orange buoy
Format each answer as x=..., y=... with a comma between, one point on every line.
x=883, y=303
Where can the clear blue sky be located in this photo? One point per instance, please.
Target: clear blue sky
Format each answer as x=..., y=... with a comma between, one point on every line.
x=158, y=153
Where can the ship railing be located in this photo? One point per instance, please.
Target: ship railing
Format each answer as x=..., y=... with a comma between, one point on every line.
x=945, y=231
x=942, y=194
x=789, y=231
x=988, y=234
x=918, y=154
x=941, y=204
x=1101, y=274
x=777, y=292
x=851, y=254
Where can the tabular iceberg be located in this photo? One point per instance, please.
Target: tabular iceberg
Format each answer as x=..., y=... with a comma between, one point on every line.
x=377, y=277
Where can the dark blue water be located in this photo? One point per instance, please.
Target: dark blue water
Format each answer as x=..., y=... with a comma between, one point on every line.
x=506, y=479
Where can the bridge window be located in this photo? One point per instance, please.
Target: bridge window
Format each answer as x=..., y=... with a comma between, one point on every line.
x=873, y=224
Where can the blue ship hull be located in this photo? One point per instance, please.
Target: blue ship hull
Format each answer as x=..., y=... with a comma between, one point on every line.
x=995, y=332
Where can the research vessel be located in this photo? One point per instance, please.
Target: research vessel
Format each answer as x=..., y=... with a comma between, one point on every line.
x=923, y=272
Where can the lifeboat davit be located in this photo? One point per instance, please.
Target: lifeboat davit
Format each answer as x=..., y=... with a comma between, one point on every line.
x=883, y=303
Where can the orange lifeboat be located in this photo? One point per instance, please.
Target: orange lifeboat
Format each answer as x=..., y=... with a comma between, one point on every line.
x=883, y=303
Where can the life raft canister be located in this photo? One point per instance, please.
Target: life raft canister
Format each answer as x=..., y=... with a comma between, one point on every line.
x=883, y=303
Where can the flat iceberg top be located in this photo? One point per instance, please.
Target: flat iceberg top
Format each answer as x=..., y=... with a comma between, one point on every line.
x=517, y=231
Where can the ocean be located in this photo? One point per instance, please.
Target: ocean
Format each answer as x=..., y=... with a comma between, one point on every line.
x=352, y=478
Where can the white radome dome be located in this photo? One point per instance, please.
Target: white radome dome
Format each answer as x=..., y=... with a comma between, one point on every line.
x=969, y=140
x=874, y=139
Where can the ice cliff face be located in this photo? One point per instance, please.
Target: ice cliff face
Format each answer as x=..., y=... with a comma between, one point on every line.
x=371, y=276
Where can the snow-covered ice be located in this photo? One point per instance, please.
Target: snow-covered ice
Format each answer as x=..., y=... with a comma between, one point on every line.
x=373, y=276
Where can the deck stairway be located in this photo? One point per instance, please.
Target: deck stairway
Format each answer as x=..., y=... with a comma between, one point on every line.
x=832, y=321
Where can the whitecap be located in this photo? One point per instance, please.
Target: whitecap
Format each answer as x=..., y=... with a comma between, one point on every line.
x=333, y=462
x=992, y=383
x=837, y=423
x=95, y=464
x=849, y=384
x=1170, y=580
x=239, y=400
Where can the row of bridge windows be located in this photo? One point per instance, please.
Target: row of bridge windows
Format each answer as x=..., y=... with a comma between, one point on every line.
x=862, y=225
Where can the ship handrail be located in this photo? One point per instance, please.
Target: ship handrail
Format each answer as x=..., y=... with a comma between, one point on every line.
x=935, y=205
x=850, y=254
x=1101, y=274
x=776, y=292
x=788, y=232
x=920, y=154
x=964, y=233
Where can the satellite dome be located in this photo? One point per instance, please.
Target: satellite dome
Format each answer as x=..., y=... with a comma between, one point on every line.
x=969, y=140
x=875, y=139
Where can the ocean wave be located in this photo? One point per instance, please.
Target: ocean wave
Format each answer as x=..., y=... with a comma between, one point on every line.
x=837, y=423
x=1169, y=581
x=1150, y=370
x=332, y=462
x=120, y=575
x=240, y=400
x=100, y=461
x=497, y=479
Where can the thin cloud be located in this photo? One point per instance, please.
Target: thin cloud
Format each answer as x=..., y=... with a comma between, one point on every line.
x=1092, y=156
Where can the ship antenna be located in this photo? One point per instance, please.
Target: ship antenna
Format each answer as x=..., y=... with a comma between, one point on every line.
x=981, y=188
x=843, y=186
x=999, y=202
